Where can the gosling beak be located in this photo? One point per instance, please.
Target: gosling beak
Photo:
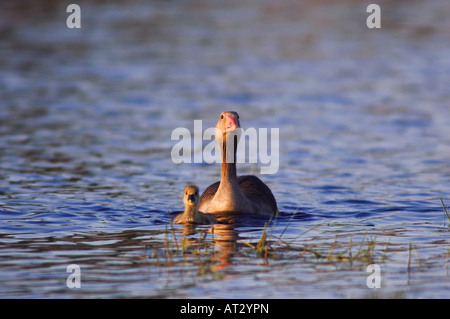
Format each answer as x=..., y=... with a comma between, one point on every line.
x=230, y=124
x=191, y=198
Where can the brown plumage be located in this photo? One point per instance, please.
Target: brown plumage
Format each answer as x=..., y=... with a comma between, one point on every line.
x=245, y=194
x=191, y=215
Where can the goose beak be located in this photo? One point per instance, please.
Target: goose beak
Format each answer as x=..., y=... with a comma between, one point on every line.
x=191, y=198
x=230, y=124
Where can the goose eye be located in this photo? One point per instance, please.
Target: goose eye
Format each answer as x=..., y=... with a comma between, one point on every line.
x=221, y=117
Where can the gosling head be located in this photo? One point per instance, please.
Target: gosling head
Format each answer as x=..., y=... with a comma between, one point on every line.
x=191, y=196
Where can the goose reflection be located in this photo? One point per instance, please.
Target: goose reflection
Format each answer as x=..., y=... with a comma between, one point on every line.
x=224, y=236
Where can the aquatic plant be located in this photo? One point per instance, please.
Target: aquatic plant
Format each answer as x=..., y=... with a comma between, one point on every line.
x=446, y=212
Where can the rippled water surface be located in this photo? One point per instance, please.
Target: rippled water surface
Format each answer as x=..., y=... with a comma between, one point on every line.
x=86, y=175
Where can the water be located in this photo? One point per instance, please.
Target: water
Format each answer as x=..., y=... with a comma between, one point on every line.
x=86, y=176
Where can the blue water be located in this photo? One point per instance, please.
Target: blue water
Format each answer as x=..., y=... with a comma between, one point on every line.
x=86, y=175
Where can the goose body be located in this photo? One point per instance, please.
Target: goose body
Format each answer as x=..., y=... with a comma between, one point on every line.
x=244, y=194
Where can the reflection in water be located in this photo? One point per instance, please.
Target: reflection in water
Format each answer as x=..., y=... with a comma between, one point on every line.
x=224, y=238
x=226, y=241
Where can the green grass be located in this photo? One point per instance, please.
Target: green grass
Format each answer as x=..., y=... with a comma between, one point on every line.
x=273, y=247
x=446, y=212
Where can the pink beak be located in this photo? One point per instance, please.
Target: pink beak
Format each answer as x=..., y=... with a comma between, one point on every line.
x=230, y=124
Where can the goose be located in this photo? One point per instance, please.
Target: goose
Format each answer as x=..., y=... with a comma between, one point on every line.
x=244, y=194
x=191, y=215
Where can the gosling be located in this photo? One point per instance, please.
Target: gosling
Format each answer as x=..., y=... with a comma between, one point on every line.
x=191, y=215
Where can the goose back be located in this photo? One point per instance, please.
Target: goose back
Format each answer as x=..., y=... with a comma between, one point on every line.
x=258, y=193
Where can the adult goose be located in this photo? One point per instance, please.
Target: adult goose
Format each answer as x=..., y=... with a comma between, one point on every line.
x=244, y=194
